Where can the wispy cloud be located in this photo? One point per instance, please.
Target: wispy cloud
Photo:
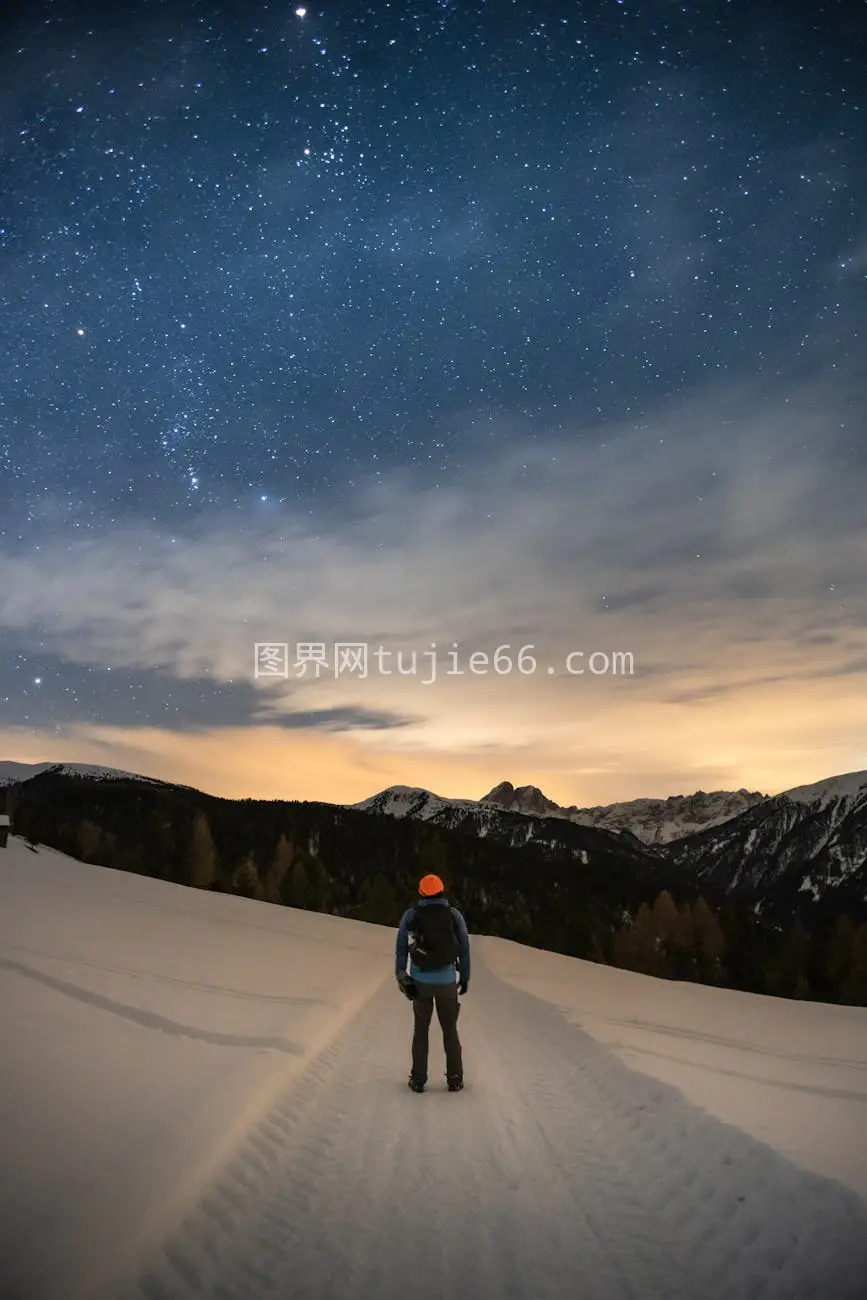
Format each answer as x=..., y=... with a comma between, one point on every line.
x=719, y=541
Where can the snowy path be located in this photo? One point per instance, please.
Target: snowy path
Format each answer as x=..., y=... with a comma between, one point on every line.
x=558, y=1172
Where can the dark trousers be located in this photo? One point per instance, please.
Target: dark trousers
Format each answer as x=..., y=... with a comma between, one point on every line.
x=445, y=996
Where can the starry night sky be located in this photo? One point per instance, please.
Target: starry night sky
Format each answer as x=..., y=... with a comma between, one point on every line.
x=435, y=321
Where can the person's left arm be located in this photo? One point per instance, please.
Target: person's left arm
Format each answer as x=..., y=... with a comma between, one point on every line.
x=463, y=935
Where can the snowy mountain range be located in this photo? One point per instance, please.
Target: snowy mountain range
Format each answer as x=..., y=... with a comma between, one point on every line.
x=810, y=841
x=652, y=821
x=553, y=838
x=806, y=845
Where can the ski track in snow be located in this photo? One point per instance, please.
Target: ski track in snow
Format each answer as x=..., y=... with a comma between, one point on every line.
x=558, y=1172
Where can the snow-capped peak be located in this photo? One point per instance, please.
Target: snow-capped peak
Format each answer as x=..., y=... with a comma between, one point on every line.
x=833, y=787
x=11, y=772
x=410, y=801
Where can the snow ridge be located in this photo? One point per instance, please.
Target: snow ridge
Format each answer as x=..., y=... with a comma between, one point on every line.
x=652, y=821
x=847, y=786
x=810, y=841
x=11, y=773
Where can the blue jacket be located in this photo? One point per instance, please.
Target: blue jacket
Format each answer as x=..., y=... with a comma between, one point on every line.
x=449, y=973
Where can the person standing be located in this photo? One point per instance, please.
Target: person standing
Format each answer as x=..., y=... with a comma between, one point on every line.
x=433, y=938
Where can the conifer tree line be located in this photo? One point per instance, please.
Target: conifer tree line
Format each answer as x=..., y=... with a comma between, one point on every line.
x=324, y=858
x=692, y=941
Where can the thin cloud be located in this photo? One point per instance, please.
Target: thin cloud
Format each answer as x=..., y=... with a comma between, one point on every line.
x=726, y=522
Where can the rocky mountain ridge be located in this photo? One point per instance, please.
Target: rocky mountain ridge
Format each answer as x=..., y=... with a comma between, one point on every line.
x=652, y=821
x=805, y=846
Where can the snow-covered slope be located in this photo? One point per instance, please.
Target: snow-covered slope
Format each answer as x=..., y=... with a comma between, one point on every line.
x=653, y=821
x=11, y=772
x=206, y=1096
x=851, y=785
x=412, y=801
x=809, y=841
x=660, y=821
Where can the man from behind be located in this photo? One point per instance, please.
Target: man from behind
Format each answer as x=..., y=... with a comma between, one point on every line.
x=433, y=938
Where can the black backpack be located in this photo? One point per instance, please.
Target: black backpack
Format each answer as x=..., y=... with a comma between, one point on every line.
x=435, y=937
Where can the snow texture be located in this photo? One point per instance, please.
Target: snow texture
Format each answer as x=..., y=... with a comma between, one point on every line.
x=833, y=787
x=11, y=772
x=412, y=801
x=206, y=1096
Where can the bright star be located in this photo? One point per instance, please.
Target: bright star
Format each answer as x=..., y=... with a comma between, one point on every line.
x=300, y=13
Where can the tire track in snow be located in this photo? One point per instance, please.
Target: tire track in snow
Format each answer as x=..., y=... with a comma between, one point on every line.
x=733, y=1218
x=558, y=1172
x=262, y=1197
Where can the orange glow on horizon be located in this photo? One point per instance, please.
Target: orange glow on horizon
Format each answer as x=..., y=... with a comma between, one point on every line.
x=765, y=737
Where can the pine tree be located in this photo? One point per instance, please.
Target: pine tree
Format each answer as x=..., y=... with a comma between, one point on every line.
x=131, y=858
x=664, y=915
x=108, y=848
x=621, y=948
x=378, y=902
x=648, y=948
x=432, y=856
x=157, y=847
x=663, y=918
x=683, y=944
x=202, y=855
x=89, y=840
x=319, y=883
x=297, y=890
x=710, y=942
x=281, y=865
x=787, y=971
x=633, y=945
x=245, y=878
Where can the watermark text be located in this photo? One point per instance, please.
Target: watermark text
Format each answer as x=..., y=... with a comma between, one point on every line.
x=359, y=659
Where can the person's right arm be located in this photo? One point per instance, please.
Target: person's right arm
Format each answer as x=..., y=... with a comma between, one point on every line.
x=401, y=953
